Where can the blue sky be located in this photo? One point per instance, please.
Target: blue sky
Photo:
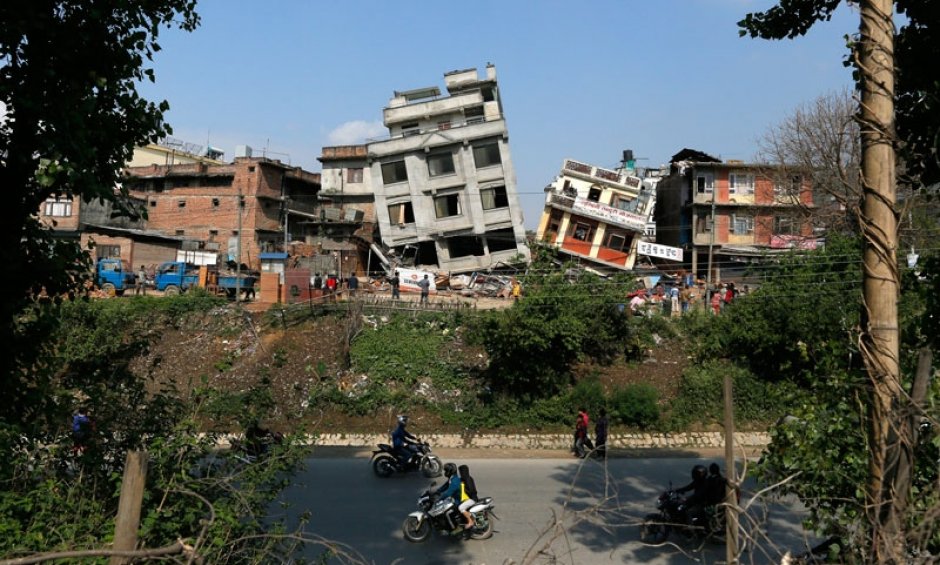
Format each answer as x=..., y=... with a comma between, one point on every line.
x=583, y=80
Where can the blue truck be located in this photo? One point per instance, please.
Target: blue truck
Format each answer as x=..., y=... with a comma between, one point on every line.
x=174, y=277
x=114, y=276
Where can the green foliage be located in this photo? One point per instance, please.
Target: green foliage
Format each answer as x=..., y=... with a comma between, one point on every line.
x=799, y=322
x=587, y=393
x=55, y=499
x=700, y=398
x=72, y=118
x=635, y=405
x=561, y=319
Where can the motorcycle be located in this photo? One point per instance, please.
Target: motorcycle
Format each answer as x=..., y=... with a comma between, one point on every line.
x=385, y=463
x=249, y=450
x=443, y=516
x=673, y=517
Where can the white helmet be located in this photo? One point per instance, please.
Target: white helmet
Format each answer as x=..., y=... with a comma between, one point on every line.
x=402, y=419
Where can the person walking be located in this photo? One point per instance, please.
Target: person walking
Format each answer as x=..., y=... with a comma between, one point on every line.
x=600, y=434
x=716, y=301
x=582, y=443
x=140, y=281
x=425, y=286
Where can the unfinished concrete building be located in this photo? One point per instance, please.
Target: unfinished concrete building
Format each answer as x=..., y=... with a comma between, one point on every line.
x=443, y=180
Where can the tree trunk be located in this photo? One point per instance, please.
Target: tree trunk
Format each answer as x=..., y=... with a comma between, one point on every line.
x=880, y=335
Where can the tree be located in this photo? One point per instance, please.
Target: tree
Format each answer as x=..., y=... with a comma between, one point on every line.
x=72, y=118
x=819, y=140
x=890, y=433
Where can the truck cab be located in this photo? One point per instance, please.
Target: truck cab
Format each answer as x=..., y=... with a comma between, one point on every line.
x=174, y=277
x=113, y=275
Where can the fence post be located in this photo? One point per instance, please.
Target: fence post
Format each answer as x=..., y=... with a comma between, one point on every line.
x=132, y=495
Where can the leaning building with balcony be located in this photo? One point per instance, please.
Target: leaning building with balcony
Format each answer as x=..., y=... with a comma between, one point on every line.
x=596, y=215
x=443, y=180
x=729, y=214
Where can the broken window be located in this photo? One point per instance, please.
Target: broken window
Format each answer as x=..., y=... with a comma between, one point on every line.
x=394, y=172
x=465, y=246
x=181, y=203
x=742, y=224
x=619, y=240
x=410, y=129
x=215, y=202
x=703, y=223
x=474, y=114
x=582, y=231
x=594, y=194
x=486, y=155
x=440, y=164
x=401, y=213
x=623, y=203
x=705, y=183
x=447, y=206
x=107, y=251
x=494, y=197
x=501, y=240
x=443, y=125
x=354, y=175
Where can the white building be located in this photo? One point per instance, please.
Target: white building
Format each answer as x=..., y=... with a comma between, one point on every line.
x=443, y=180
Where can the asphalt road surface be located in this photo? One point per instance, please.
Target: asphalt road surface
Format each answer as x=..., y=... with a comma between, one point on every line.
x=551, y=510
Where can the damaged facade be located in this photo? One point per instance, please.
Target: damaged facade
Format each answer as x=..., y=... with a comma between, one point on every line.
x=443, y=182
x=596, y=215
x=738, y=210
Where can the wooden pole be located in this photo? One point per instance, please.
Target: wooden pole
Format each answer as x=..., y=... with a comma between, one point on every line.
x=880, y=337
x=731, y=498
x=132, y=495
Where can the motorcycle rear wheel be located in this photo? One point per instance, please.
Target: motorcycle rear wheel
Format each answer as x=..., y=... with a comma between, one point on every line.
x=652, y=530
x=485, y=532
x=415, y=532
x=431, y=467
x=383, y=466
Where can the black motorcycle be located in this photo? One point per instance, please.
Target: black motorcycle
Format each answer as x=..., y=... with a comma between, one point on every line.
x=445, y=517
x=385, y=462
x=673, y=516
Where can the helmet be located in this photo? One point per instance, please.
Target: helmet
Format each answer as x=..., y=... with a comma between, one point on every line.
x=699, y=472
x=402, y=419
x=449, y=469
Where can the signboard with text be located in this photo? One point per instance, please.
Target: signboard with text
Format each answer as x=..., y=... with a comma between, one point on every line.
x=609, y=214
x=661, y=251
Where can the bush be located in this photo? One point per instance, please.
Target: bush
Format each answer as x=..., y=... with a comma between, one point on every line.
x=700, y=397
x=635, y=405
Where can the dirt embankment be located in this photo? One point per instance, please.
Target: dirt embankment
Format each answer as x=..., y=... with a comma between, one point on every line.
x=233, y=349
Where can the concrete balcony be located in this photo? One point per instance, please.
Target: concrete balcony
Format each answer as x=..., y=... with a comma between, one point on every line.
x=424, y=110
x=429, y=138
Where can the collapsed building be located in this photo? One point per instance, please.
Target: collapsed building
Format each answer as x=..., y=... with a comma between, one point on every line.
x=442, y=181
x=597, y=215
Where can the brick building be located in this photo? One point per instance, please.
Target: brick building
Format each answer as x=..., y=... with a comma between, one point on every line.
x=227, y=208
x=737, y=210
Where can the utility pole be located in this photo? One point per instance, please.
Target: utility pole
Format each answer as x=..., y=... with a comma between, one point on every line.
x=711, y=245
x=880, y=337
x=238, y=247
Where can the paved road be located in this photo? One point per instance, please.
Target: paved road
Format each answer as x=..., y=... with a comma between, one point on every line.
x=600, y=507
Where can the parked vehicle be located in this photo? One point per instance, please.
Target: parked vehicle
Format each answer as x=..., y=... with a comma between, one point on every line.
x=174, y=277
x=673, y=517
x=385, y=464
x=443, y=516
x=114, y=276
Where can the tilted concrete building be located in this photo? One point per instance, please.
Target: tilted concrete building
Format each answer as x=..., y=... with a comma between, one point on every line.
x=597, y=215
x=443, y=180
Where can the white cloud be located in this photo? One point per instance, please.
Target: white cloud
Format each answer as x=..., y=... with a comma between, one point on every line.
x=355, y=132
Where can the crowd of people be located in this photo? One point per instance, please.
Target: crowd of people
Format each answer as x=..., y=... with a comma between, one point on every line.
x=678, y=298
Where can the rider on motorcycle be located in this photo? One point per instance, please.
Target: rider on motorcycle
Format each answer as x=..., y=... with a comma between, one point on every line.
x=403, y=442
x=695, y=504
x=451, y=487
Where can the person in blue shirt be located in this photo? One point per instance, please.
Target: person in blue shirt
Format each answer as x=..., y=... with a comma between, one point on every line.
x=403, y=441
x=81, y=429
x=451, y=487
